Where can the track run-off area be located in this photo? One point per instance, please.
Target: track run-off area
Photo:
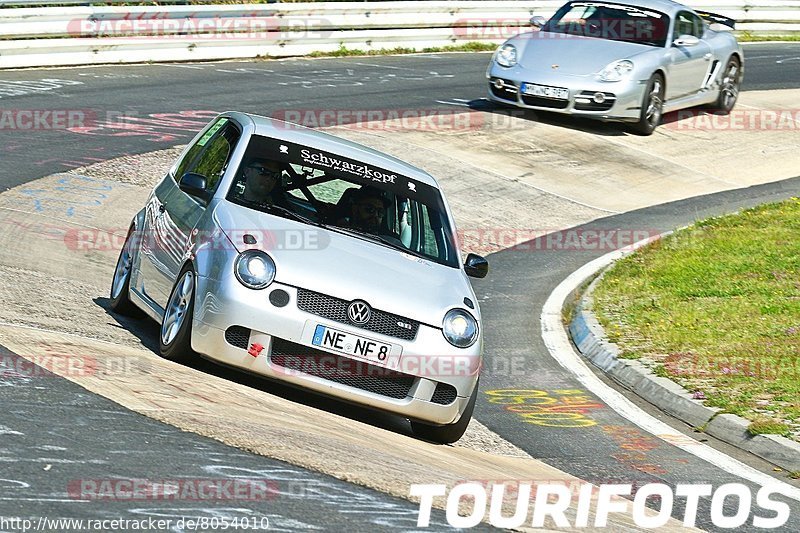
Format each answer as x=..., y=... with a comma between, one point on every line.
x=521, y=186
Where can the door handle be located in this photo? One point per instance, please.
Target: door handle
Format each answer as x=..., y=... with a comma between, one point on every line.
x=707, y=57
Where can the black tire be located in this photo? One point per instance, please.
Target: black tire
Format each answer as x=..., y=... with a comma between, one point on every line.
x=120, y=287
x=178, y=345
x=451, y=432
x=652, y=107
x=729, y=87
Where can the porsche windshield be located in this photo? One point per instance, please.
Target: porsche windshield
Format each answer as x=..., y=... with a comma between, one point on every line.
x=344, y=195
x=615, y=22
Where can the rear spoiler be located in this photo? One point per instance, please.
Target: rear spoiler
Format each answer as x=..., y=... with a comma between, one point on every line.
x=713, y=18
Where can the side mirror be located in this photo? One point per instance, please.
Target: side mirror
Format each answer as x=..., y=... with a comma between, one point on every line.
x=194, y=185
x=686, y=40
x=476, y=266
x=538, y=21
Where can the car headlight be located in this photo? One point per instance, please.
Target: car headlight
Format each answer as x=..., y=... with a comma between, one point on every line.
x=506, y=55
x=616, y=71
x=255, y=269
x=460, y=328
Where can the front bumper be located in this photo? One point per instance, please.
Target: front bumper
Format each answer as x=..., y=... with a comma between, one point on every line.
x=622, y=100
x=430, y=381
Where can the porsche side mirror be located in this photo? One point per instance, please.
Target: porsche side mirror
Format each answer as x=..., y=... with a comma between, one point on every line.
x=686, y=40
x=476, y=266
x=538, y=21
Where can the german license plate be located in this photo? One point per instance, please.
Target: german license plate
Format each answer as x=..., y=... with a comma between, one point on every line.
x=544, y=91
x=347, y=343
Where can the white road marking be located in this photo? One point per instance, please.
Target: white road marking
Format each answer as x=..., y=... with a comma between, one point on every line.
x=560, y=348
x=451, y=103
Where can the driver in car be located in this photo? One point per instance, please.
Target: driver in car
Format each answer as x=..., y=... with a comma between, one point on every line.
x=368, y=210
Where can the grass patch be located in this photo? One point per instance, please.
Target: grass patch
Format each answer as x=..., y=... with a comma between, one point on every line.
x=769, y=427
x=343, y=51
x=717, y=306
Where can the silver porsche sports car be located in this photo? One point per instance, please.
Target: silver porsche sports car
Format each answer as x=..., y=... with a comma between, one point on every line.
x=299, y=256
x=626, y=61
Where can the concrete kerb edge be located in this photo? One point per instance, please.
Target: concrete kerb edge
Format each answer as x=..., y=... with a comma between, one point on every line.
x=589, y=339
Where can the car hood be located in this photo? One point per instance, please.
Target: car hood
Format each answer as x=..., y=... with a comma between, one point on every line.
x=577, y=56
x=348, y=267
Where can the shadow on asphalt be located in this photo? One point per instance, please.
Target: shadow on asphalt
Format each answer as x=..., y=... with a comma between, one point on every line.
x=147, y=331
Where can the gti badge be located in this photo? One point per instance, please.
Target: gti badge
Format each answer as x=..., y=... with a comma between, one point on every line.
x=359, y=312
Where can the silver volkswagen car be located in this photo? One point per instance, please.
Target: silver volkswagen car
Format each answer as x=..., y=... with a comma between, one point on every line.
x=303, y=257
x=628, y=61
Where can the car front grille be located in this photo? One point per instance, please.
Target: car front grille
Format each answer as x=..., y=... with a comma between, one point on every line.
x=343, y=370
x=539, y=101
x=584, y=101
x=444, y=394
x=237, y=336
x=336, y=309
x=508, y=91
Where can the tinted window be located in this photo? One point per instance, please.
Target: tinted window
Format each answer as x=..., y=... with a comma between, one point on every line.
x=615, y=22
x=399, y=212
x=688, y=24
x=209, y=156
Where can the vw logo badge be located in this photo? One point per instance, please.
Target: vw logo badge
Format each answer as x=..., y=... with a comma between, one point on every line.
x=359, y=312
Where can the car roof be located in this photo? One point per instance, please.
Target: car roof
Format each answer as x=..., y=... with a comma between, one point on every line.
x=312, y=138
x=667, y=7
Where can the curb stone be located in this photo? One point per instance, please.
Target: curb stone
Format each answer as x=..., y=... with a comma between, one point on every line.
x=591, y=341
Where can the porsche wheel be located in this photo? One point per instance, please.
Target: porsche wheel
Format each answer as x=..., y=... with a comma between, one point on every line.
x=176, y=327
x=652, y=106
x=120, y=285
x=729, y=87
x=451, y=432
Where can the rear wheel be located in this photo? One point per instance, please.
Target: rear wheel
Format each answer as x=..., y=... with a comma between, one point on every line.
x=451, y=432
x=120, y=285
x=729, y=87
x=176, y=327
x=652, y=106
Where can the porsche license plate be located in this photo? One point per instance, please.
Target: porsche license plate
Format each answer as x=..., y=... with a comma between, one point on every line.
x=355, y=345
x=544, y=91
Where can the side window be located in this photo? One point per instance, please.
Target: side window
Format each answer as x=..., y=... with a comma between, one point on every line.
x=699, y=27
x=210, y=154
x=684, y=25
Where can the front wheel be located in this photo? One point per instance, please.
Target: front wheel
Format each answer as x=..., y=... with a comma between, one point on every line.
x=652, y=106
x=176, y=327
x=729, y=87
x=451, y=432
x=121, y=284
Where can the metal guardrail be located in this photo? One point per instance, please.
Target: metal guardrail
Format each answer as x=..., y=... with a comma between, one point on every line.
x=69, y=35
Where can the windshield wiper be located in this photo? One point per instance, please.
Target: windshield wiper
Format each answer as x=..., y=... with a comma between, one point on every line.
x=381, y=239
x=272, y=208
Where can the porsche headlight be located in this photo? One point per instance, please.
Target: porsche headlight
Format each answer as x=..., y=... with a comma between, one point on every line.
x=506, y=55
x=255, y=269
x=460, y=328
x=616, y=71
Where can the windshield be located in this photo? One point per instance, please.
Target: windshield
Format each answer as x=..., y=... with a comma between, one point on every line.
x=344, y=195
x=615, y=22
